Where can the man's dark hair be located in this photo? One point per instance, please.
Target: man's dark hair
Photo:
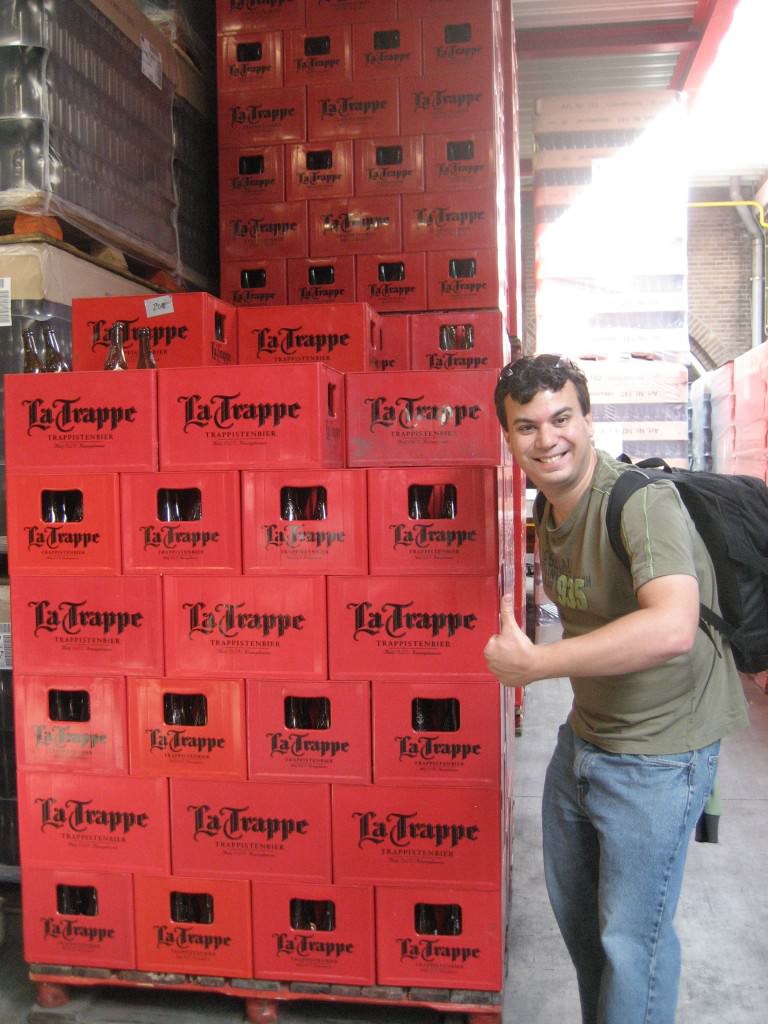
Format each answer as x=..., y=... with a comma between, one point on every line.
x=524, y=378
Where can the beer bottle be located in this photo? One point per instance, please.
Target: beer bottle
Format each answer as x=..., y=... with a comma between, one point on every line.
x=418, y=500
x=79, y=900
x=438, y=918
x=307, y=712
x=54, y=357
x=146, y=360
x=435, y=714
x=168, y=510
x=448, y=510
x=313, y=915
x=69, y=706
x=191, y=907
x=289, y=504
x=116, y=356
x=32, y=361
x=320, y=506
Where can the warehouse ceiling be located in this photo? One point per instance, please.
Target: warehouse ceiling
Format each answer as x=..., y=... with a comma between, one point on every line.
x=573, y=46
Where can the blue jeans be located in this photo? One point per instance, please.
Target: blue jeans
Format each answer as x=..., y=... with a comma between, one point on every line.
x=616, y=831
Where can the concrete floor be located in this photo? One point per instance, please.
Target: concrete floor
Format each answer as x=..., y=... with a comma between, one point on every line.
x=723, y=917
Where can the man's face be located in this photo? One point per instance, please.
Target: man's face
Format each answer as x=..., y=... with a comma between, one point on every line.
x=551, y=440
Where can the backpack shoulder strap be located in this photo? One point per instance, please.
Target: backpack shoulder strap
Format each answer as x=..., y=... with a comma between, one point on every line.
x=626, y=485
x=538, y=505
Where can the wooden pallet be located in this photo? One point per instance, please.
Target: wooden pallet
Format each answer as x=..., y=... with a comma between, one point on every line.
x=21, y=227
x=262, y=999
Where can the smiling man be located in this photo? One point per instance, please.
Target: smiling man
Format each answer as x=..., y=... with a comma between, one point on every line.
x=653, y=693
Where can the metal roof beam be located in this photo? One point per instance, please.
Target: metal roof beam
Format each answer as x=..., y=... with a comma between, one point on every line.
x=712, y=18
x=595, y=40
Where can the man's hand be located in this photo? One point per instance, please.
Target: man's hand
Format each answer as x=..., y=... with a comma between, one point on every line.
x=510, y=654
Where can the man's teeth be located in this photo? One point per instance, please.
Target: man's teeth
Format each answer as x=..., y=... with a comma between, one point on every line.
x=550, y=458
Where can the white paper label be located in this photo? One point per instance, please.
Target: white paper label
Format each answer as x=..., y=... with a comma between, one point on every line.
x=161, y=305
x=5, y=302
x=151, y=63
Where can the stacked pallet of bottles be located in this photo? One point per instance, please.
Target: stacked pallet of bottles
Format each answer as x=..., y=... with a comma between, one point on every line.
x=255, y=734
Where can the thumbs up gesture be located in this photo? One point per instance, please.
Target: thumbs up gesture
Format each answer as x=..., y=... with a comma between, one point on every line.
x=510, y=654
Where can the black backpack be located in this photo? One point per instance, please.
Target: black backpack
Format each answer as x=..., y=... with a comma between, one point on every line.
x=731, y=515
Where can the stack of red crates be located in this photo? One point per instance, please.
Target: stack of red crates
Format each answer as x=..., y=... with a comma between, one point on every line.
x=237, y=686
x=361, y=153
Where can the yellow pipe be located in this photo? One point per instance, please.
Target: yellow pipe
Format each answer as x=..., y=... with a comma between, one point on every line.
x=744, y=202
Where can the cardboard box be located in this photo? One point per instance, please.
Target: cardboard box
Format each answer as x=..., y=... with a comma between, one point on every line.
x=359, y=224
x=389, y=166
x=436, y=734
x=345, y=12
x=468, y=953
x=198, y=926
x=66, y=523
x=289, y=945
x=309, y=731
x=248, y=60
x=390, y=835
x=235, y=16
x=305, y=522
x=353, y=110
x=78, y=917
x=181, y=522
x=251, y=117
x=186, y=329
x=267, y=628
x=251, y=417
x=459, y=160
x=471, y=340
x=266, y=831
x=251, y=174
x=460, y=45
x=273, y=230
x=395, y=342
x=319, y=170
x=383, y=49
x=62, y=421
x=319, y=54
x=345, y=336
x=425, y=627
x=71, y=723
x=254, y=282
x=392, y=281
x=97, y=822
x=434, y=104
x=96, y=625
x=322, y=280
x=450, y=220
x=433, y=521
x=421, y=418
x=187, y=728
x=463, y=279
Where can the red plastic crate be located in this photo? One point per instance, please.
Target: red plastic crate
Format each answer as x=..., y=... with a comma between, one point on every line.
x=265, y=831
x=186, y=329
x=251, y=117
x=429, y=520
x=273, y=627
x=181, y=523
x=101, y=822
x=319, y=54
x=219, y=947
x=420, y=627
x=385, y=49
x=340, y=954
x=422, y=418
x=254, y=282
x=248, y=60
x=251, y=174
x=93, y=928
x=319, y=170
x=192, y=728
x=390, y=835
x=71, y=723
x=43, y=536
x=335, y=747
x=96, y=625
x=389, y=165
x=393, y=281
x=331, y=279
x=333, y=545
x=471, y=959
x=436, y=734
x=353, y=110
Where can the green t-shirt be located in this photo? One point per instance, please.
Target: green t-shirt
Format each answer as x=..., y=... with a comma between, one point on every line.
x=686, y=703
